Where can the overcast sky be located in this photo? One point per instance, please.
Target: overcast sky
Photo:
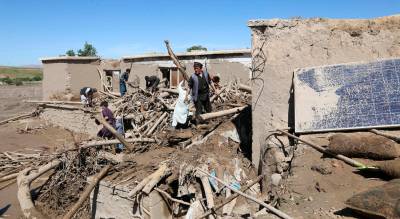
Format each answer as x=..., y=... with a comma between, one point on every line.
x=33, y=29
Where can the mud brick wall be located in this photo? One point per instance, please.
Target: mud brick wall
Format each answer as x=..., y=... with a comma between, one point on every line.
x=281, y=46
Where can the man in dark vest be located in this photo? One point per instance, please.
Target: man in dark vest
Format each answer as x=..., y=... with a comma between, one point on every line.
x=199, y=84
x=122, y=81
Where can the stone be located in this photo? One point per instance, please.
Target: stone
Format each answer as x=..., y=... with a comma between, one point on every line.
x=276, y=179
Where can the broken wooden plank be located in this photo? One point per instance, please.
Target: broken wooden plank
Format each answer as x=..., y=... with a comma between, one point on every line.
x=24, y=181
x=206, y=186
x=169, y=90
x=108, y=94
x=157, y=176
x=213, y=115
x=213, y=98
x=139, y=187
x=244, y=87
x=86, y=193
x=151, y=130
x=269, y=207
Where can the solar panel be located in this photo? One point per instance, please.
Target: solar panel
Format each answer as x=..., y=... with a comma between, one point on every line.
x=347, y=96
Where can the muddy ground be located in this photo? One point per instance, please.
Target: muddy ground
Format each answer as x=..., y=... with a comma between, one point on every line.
x=12, y=97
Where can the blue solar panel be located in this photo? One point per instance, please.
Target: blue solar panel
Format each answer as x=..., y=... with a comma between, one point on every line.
x=348, y=96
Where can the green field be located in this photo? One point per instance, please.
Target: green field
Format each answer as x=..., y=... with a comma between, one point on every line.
x=14, y=72
x=15, y=75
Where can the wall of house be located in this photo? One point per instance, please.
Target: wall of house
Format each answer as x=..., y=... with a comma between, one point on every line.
x=56, y=79
x=228, y=69
x=140, y=70
x=281, y=46
x=83, y=75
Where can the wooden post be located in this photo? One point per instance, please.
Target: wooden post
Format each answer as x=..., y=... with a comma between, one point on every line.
x=394, y=138
x=87, y=192
x=347, y=160
x=151, y=130
x=176, y=61
x=115, y=133
x=24, y=181
x=206, y=187
x=213, y=115
x=173, y=91
x=245, y=88
x=149, y=180
x=215, y=97
x=156, y=178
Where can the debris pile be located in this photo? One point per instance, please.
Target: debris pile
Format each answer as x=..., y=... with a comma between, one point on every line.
x=196, y=168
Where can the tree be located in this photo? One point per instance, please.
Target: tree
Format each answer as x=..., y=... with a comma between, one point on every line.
x=70, y=53
x=196, y=47
x=88, y=50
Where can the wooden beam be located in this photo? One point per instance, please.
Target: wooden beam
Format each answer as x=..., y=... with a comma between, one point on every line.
x=206, y=186
x=215, y=97
x=213, y=115
x=393, y=137
x=347, y=160
x=87, y=192
x=157, y=176
x=176, y=61
x=115, y=133
x=169, y=90
x=245, y=88
x=53, y=102
x=24, y=181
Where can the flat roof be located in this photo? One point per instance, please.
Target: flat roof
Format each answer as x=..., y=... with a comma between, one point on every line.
x=278, y=21
x=70, y=58
x=188, y=54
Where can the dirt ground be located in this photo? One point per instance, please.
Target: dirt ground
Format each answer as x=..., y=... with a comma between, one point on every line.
x=319, y=186
x=11, y=98
x=41, y=137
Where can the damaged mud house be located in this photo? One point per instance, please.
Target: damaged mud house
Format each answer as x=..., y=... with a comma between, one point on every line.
x=305, y=125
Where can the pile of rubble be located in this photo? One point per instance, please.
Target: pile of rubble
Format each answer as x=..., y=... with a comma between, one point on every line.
x=200, y=170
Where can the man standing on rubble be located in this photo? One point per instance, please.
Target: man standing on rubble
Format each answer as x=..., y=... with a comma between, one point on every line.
x=152, y=83
x=122, y=81
x=199, y=84
x=87, y=95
